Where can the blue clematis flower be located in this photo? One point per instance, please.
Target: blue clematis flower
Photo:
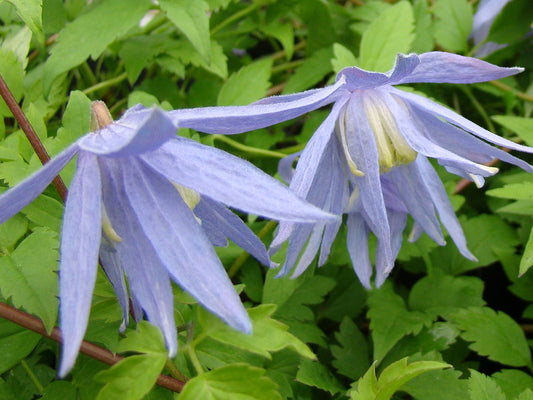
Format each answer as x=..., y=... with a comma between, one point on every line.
x=368, y=159
x=123, y=207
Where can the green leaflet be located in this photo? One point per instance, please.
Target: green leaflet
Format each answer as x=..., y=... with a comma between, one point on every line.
x=453, y=24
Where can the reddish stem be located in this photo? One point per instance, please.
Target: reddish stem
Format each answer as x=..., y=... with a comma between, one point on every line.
x=90, y=349
x=30, y=134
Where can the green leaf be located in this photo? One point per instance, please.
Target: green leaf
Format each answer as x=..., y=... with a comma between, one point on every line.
x=19, y=44
x=313, y=70
x=235, y=382
x=185, y=52
x=139, y=51
x=284, y=32
x=390, y=320
x=526, y=395
x=513, y=382
x=59, y=390
x=28, y=275
x=438, y=385
x=453, y=24
x=437, y=294
x=523, y=127
x=11, y=231
x=391, y=33
x=30, y=11
x=16, y=343
x=45, y=211
x=526, y=261
x=342, y=58
x=515, y=191
x=192, y=19
x=313, y=373
x=13, y=74
x=495, y=335
x=352, y=356
x=483, y=387
x=423, y=41
x=501, y=31
x=247, y=85
x=147, y=338
x=268, y=335
x=89, y=35
x=391, y=379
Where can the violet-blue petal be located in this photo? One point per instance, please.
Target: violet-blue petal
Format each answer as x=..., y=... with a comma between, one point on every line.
x=397, y=222
x=80, y=241
x=237, y=119
x=442, y=204
x=442, y=67
x=232, y=227
x=126, y=138
x=297, y=241
x=415, y=197
x=357, y=243
x=113, y=269
x=19, y=196
x=181, y=245
x=357, y=78
x=364, y=152
x=311, y=248
x=230, y=180
x=285, y=169
x=456, y=119
x=148, y=279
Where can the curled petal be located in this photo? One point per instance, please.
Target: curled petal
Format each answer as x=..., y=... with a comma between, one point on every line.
x=80, y=241
x=357, y=243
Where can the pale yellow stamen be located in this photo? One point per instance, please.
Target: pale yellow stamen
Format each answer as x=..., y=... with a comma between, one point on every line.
x=108, y=228
x=189, y=196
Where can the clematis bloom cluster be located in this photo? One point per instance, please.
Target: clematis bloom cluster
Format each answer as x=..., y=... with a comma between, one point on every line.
x=123, y=207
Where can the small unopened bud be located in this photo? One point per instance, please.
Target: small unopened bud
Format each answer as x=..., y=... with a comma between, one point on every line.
x=100, y=116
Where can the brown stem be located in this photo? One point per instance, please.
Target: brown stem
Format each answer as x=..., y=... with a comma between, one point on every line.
x=90, y=349
x=30, y=134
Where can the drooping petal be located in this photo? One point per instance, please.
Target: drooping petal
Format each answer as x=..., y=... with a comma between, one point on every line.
x=397, y=222
x=148, y=279
x=18, y=197
x=456, y=119
x=80, y=241
x=362, y=147
x=357, y=243
x=232, y=227
x=486, y=13
x=230, y=180
x=113, y=269
x=181, y=245
x=311, y=248
x=357, y=78
x=442, y=204
x=297, y=240
x=237, y=119
x=442, y=67
x=415, y=197
x=285, y=169
x=128, y=136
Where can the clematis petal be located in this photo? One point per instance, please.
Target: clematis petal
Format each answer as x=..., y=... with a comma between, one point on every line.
x=357, y=243
x=18, y=197
x=442, y=67
x=233, y=228
x=285, y=169
x=297, y=240
x=148, y=279
x=311, y=248
x=169, y=225
x=230, y=180
x=442, y=204
x=126, y=138
x=363, y=149
x=456, y=119
x=237, y=119
x=357, y=78
x=113, y=269
x=80, y=241
x=412, y=190
x=397, y=222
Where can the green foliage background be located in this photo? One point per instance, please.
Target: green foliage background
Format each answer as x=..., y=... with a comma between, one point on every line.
x=442, y=327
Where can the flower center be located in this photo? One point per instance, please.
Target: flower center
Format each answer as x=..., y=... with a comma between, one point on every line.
x=392, y=148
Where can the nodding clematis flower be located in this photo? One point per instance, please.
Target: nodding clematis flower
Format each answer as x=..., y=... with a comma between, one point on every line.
x=486, y=13
x=124, y=207
x=368, y=158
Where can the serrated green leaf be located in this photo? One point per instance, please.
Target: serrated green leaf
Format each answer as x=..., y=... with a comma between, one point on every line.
x=139, y=51
x=185, y=52
x=313, y=373
x=284, y=33
x=16, y=343
x=495, y=335
x=31, y=13
x=352, y=356
x=89, y=35
x=391, y=33
x=59, y=390
x=482, y=387
x=235, y=382
x=390, y=320
x=28, y=275
x=192, y=19
x=131, y=378
x=438, y=293
x=515, y=191
x=313, y=70
x=45, y=211
x=247, y=85
x=438, y=385
x=523, y=127
x=11, y=231
x=423, y=41
x=13, y=74
x=282, y=369
x=453, y=24
x=342, y=58
x=268, y=335
x=19, y=44
x=147, y=338
x=513, y=382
